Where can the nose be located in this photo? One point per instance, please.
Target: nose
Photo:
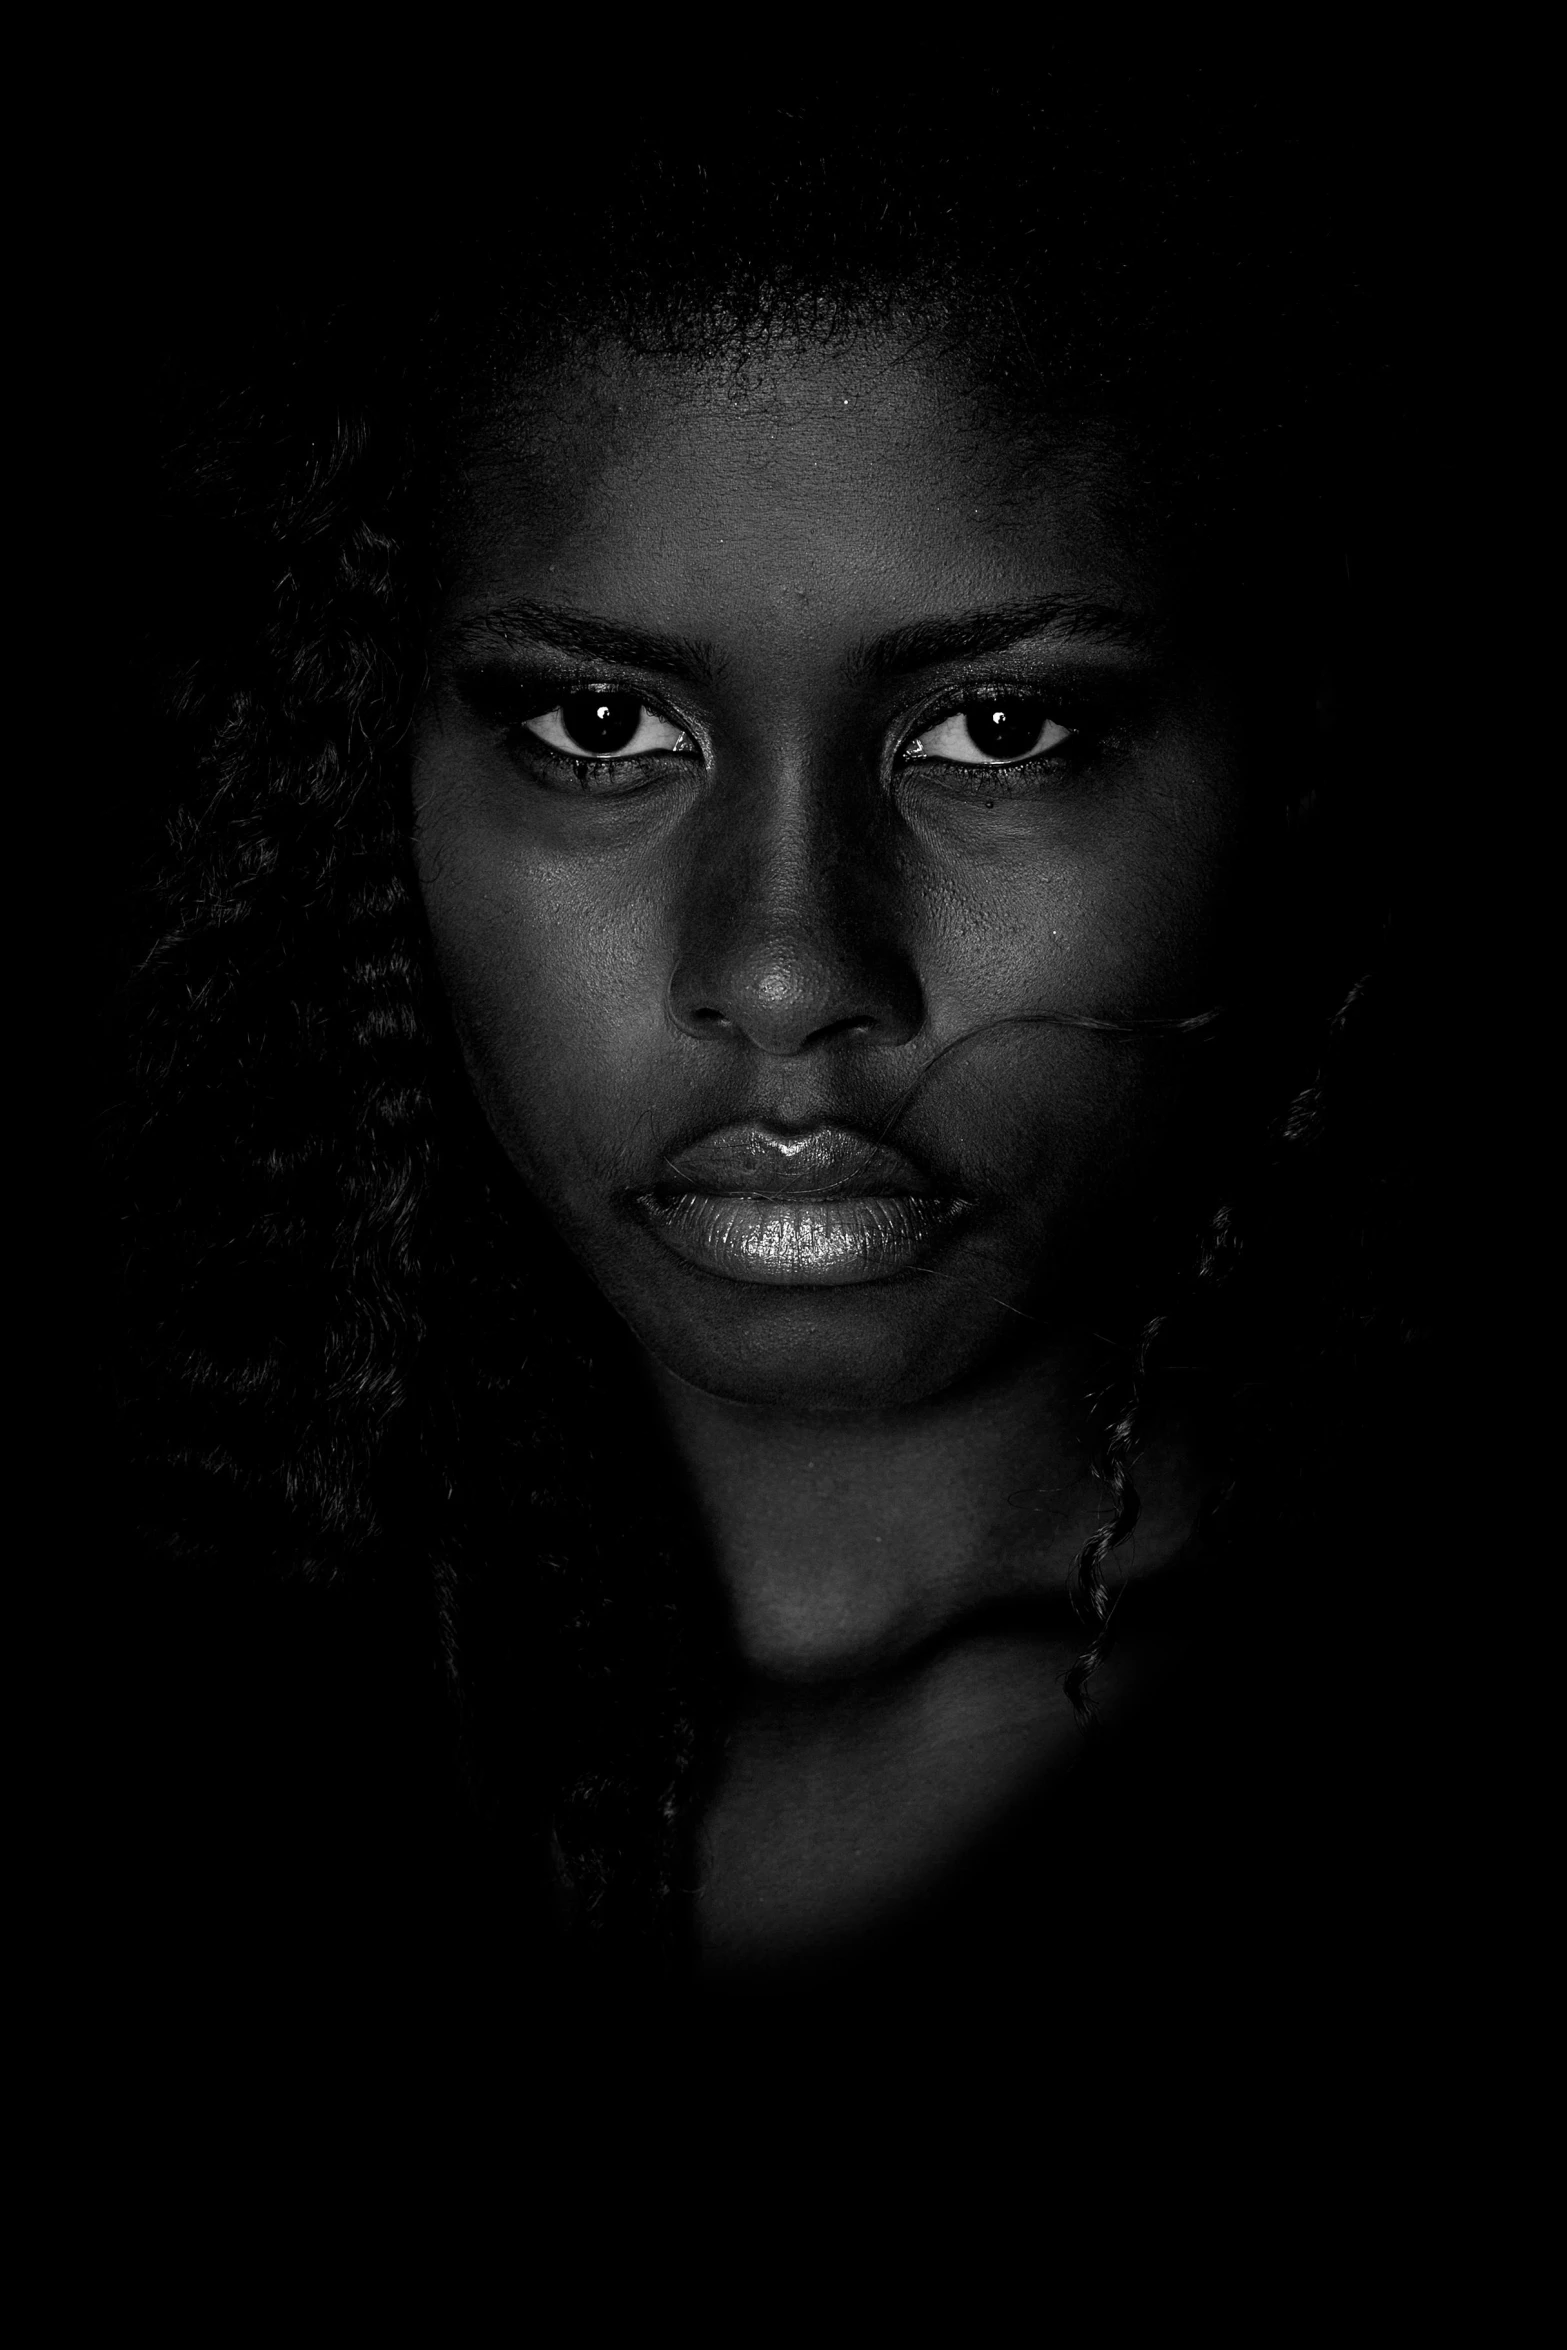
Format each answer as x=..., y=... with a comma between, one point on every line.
x=791, y=937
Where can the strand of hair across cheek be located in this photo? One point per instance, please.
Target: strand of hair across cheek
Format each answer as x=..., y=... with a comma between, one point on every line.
x=1114, y=1445
x=1120, y=1407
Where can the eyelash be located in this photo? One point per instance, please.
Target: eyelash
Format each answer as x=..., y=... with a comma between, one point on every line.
x=523, y=744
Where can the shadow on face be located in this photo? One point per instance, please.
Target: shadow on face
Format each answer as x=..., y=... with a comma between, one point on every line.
x=806, y=754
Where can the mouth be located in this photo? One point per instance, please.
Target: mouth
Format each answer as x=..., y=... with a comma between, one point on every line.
x=819, y=1209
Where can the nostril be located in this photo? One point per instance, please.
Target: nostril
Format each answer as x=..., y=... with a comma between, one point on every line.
x=789, y=998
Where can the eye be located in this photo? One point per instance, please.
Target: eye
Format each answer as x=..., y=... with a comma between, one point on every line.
x=992, y=733
x=598, y=723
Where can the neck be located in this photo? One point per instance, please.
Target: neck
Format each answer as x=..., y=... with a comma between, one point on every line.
x=848, y=1540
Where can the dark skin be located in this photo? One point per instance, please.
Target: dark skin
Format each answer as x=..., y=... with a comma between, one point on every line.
x=803, y=893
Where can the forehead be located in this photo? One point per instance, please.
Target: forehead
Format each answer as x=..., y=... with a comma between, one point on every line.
x=786, y=482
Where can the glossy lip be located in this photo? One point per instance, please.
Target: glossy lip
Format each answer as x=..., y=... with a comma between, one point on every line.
x=820, y=1208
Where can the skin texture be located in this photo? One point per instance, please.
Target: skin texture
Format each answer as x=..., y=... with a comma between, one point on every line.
x=790, y=920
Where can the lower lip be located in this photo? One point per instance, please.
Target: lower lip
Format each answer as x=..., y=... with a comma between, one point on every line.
x=818, y=1243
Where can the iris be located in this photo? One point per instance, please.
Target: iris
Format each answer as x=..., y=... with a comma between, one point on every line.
x=600, y=723
x=1005, y=730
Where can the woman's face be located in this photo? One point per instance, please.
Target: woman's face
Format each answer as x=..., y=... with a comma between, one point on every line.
x=796, y=737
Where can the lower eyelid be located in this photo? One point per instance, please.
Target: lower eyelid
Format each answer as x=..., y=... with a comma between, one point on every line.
x=618, y=777
x=1050, y=755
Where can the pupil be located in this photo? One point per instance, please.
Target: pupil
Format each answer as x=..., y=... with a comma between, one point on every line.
x=600, y=723
x=1005, y=730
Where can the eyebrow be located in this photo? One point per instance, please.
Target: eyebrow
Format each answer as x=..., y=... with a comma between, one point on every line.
x=591, y=638
x=925, y=644
x=928, y=643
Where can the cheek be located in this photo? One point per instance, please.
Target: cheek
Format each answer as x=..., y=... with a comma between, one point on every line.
x=1157, y=888
x=1128, y=923
x=553, y=979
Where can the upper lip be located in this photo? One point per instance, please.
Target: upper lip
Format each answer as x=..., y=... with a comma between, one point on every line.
x=815, y=1163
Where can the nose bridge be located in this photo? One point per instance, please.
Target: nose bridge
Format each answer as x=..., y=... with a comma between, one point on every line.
x=790, y=934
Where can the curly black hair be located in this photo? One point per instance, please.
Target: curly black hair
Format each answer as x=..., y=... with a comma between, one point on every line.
x=361, y=1369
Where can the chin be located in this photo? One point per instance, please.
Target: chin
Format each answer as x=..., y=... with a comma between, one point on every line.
x=818, y=1350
